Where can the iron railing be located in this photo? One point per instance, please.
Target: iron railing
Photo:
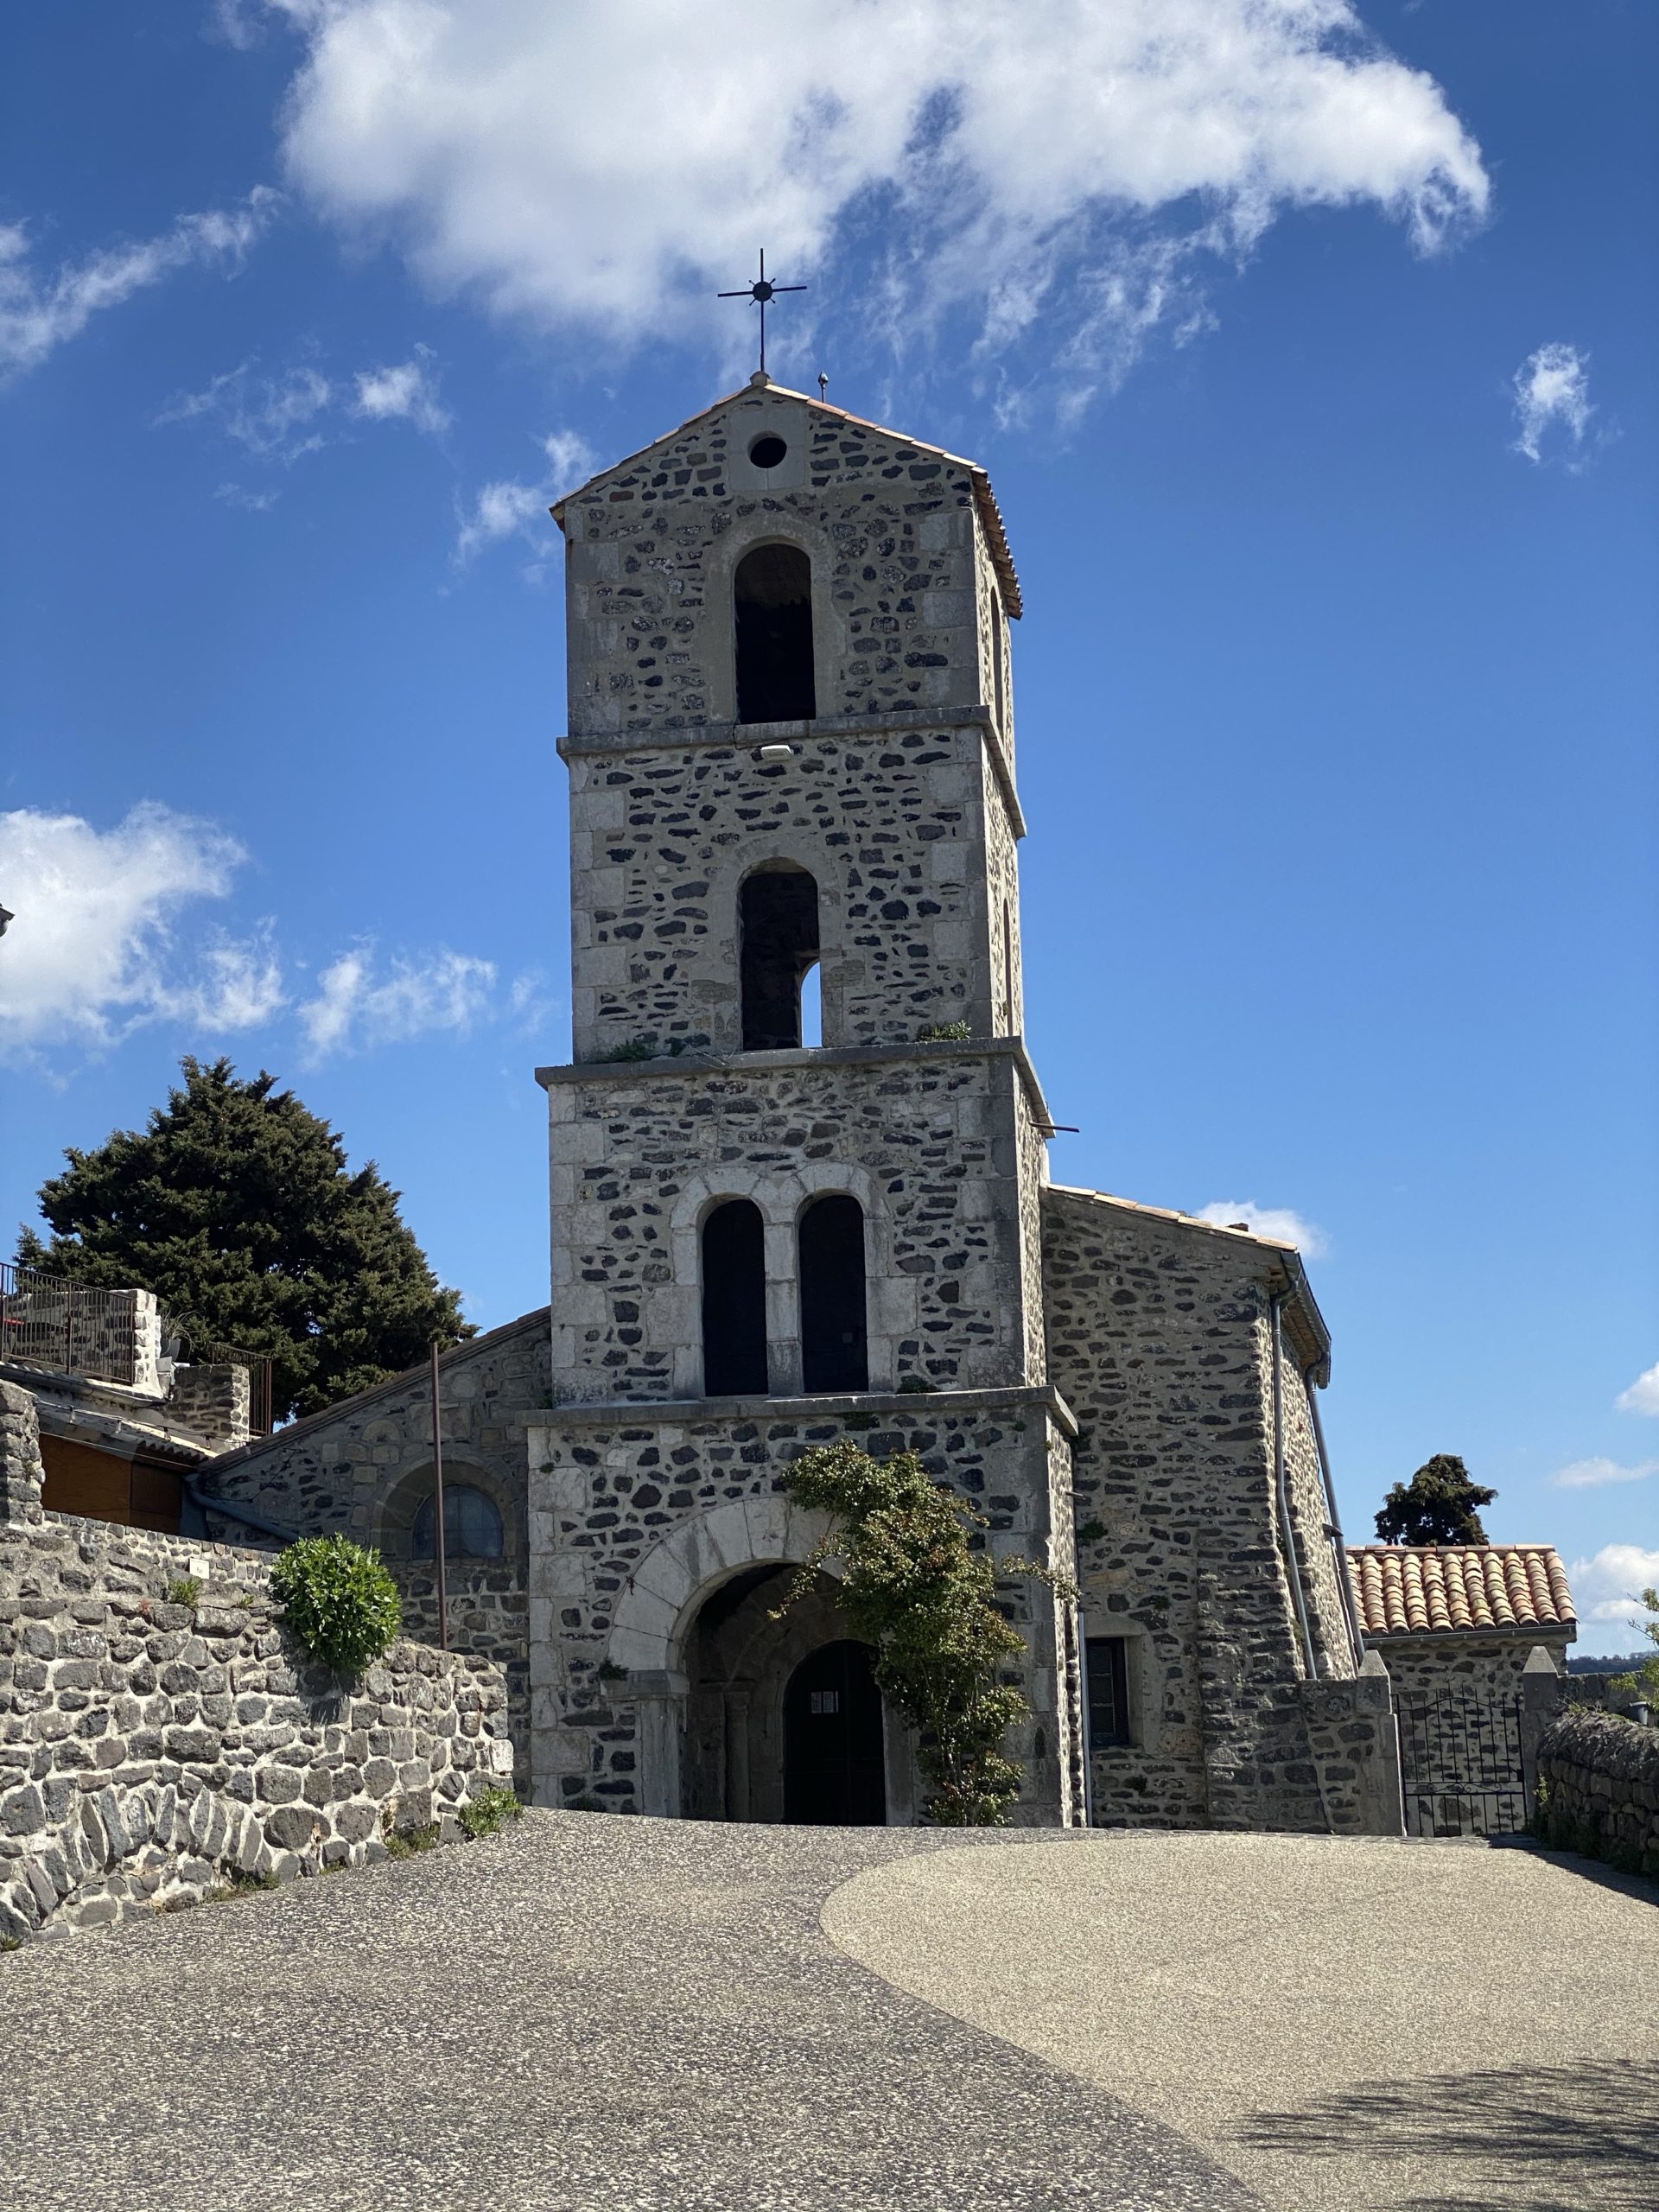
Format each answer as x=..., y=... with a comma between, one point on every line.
x=68, y=1326
x=184, y=1339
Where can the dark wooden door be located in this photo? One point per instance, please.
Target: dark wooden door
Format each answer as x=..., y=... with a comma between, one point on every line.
x=834, y=1772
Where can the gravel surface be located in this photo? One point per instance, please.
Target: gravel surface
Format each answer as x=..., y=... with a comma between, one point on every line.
x=641, y=2016
x=1348, y=2026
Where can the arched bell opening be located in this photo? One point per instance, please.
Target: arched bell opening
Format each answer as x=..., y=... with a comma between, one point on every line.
x=771, y=626
x=734, y=1302
x=834, y=1336
x=777, y=948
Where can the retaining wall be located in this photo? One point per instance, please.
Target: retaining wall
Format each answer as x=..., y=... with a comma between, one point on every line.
x=151, y=1753
x=1599, y=1777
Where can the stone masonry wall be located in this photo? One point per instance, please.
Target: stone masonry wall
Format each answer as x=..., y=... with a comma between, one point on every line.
x=364, y=1467
x=890, y=529
x=1158, y=1341
x=891, y=822
x=1485, y=1663
x=150, y=1750
x=610, y=1487
x=639, y=1154
x=1599, y=1776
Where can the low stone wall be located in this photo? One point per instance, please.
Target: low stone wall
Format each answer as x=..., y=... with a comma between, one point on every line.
x=151, y=1753
x=1598, y=1780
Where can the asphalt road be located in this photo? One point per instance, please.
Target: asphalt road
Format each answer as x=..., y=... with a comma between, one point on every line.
x=639, y=2016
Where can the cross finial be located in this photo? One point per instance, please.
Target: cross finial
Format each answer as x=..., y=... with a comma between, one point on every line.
x=760, y=291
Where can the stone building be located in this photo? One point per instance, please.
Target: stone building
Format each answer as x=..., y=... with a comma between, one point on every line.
x=1462, y=1616
x=792, y=787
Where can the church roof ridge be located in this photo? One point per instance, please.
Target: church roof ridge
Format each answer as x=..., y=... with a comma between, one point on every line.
x=985, y=499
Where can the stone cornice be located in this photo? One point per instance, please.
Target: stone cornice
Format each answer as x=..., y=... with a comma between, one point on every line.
x=637, y=1413
x=701, y=1061
x=749, y=736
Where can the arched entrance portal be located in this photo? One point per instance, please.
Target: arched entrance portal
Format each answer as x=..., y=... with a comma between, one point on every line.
x=833, y=1758
x=783, y=1719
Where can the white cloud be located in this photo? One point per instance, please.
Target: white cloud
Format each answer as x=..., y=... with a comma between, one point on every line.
x=1595, y=1474
x=1046, y=160
x=1552, y=392
x=1268, y=1221
x=1643, y=1396
x=274, y=416
x=1606, y=1591
x=38, y=314
x=238, y=495
x=92, y=952
x=408, y=391
x=514, y=508
x=356, y=1006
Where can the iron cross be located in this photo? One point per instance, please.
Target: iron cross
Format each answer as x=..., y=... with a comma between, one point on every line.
x=760, y=292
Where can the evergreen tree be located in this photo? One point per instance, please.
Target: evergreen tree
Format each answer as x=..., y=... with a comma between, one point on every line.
x=1438, y=1505
x=237, y=1208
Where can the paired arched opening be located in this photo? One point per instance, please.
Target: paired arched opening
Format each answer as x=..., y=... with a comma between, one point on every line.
x=830, y=1242
x=778, y=948
x=835, y=1343
x=771, y=626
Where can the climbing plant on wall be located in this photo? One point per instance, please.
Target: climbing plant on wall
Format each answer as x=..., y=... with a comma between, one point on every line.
x=915, y=1588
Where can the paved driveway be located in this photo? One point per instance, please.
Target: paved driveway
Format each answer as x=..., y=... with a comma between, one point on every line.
x=649, y=2016
x=629, y=2015
x=1350, y=2026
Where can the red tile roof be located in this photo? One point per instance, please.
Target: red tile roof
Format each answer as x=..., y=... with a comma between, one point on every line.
x=1439, y=1589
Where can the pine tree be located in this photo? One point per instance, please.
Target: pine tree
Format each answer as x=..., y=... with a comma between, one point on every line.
x=1438, y=1505
x=237, y=1209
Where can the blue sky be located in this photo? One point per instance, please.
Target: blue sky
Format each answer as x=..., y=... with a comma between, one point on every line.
x=1311, y=351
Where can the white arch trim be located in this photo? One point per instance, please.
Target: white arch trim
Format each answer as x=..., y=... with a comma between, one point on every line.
x=656, y=1611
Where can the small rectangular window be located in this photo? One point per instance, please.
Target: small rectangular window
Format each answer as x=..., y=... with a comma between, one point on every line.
x=1106, y=1657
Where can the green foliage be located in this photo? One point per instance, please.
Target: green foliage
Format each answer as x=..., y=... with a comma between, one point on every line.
x=338, y=1600
x=945, y=1032
x=916, y=1386
x=489, y=1812
x=186, y=1591
x=1090, y=1532
x=1644, y=1681
x=409, y=1843
x=637, y=1048
x=1438, y=1505
x=243, y=1884
x=237, y=1209
x=916, y=1589
x=11, y=1942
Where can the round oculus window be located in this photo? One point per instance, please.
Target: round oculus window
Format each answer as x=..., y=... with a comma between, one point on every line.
x=767, y=450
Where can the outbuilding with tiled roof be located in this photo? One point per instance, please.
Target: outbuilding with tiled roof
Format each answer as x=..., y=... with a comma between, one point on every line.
x=1446, y=1615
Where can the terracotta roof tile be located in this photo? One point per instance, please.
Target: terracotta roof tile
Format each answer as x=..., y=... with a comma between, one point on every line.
x=1433, y=1589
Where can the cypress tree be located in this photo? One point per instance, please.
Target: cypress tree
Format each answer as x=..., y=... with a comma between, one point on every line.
x=237, y=1209
x=1440, y=1505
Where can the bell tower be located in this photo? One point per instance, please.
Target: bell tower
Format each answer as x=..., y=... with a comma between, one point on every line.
x=791, y=767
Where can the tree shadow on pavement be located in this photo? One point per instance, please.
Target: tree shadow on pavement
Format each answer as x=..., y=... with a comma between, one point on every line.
x=1550, y=2138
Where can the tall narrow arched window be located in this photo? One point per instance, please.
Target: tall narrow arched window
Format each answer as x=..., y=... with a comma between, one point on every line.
x=778, y=942
x=835, y=1348
x=734, y=1302
x=771, y=626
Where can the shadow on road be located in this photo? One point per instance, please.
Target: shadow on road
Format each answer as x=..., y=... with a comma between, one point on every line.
x=1554, y=2138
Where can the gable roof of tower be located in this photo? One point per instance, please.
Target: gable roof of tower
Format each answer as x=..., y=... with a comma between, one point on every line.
x=990, y=514
x=1449, y=1589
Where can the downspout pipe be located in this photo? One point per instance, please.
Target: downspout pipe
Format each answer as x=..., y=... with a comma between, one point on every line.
x=228, y=1510
x=1333, y=1523
x=1275, y=1327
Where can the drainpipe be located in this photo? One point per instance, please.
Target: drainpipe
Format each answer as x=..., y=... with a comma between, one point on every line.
x=1333, y=1523
x=1276, y=1308
x=206, y=1503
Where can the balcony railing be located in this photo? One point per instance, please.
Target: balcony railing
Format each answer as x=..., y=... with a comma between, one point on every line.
x=68, y=1326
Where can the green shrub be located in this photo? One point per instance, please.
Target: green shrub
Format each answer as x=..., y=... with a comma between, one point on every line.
x=946, y=1032
x=489, y=1812
x=916, y=1386
x=407, y=1843
x=186, y=1591
x=339, y=1600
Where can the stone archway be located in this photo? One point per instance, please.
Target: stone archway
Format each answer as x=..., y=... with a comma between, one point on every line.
x=708, y=1669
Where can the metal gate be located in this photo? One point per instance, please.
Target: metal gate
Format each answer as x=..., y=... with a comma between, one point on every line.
x=1461, y=1767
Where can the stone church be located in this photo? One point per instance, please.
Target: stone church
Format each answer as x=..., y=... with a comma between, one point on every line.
x=799, y=1192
